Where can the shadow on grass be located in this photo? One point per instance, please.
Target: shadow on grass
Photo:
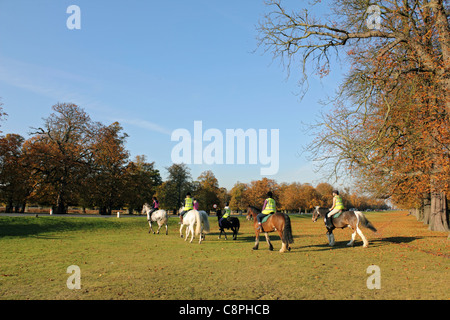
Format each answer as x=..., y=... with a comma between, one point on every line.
x=358, y=242
x=390, y=240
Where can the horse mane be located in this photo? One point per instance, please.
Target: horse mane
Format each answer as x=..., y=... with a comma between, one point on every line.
x=255, y=209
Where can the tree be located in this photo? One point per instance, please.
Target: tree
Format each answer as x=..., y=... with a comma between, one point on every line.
x=208, y=191
x=291, y=196
x=109, y=158
x=141, y=182
x=390, y=123
x=420, y=27
x=60, y=153
x=325, y=191
x=237, y=194
x=15, y=178
x=172, y=192
x=257, y=190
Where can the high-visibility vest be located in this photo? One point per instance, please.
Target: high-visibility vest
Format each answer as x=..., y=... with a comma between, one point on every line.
x=227, y=213
x=188, y=204
x=338, y=204
x=270, y=206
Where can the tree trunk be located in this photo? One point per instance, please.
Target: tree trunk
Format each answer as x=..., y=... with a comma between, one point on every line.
x=426, y=210
x=60, y=201
x=438, y=215
x=9, y=207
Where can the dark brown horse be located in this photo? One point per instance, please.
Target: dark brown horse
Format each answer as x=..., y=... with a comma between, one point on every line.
x=350, y=219
x=278, y=221
x=230, y=223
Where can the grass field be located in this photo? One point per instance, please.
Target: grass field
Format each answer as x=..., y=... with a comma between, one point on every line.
x=118, y=259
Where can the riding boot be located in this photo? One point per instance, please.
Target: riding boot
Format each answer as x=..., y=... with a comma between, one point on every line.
x=328, y=222
x=259, y=226
x=181, y=219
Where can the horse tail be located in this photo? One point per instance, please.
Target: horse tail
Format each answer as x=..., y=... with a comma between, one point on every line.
x=198, y=221
x=206, y=223
x=364, y=221
x=165, y=217
x=287, y=231
x=238, y=224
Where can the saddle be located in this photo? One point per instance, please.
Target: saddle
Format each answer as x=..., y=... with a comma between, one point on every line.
x=337, y=214
x=267, y=217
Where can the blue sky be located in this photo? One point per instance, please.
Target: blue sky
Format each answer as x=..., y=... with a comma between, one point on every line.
x=156, y=66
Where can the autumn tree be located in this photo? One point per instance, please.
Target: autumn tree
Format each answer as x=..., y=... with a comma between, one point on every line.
x=15, y=179
x=60, y=152
x=389, y=127
x=238, y=200
x=208, y=191
x=107, y=168
x=256, y=191
x=291, y=196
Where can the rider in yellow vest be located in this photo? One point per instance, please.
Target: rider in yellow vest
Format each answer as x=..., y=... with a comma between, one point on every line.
x=188, y=205
x=226, y=215
x=338, y=206
x=268, y=208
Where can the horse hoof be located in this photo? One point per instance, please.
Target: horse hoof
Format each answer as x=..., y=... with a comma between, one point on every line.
x=255, y=248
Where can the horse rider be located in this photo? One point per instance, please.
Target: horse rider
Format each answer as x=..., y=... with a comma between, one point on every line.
x=268, y=208
x=226, y=215
x=155, y=206
x=338, y=206
x=188, y=205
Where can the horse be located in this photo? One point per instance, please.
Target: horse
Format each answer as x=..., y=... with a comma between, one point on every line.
x=160, y=216
x=278, y=221
x=199, y=219
x=230, y=223
x=350, y=219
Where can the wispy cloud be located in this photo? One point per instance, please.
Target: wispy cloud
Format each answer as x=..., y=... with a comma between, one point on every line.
x=148, y=125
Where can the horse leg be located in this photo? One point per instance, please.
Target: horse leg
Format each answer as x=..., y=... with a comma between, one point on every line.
x=150, y=224
x=284, y=246
x=268, y=241
x=353, y=238
x=167, y=231
x=256, y=241
x=159, y=227
x=234, y=233
x=191, y=230
x=181, y=231
x=366, y=243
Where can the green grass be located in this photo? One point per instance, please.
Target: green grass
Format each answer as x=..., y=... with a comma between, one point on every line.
x=120, y=260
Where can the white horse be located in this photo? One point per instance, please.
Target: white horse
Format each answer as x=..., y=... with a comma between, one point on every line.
x=197, y=219
x=160, y=216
